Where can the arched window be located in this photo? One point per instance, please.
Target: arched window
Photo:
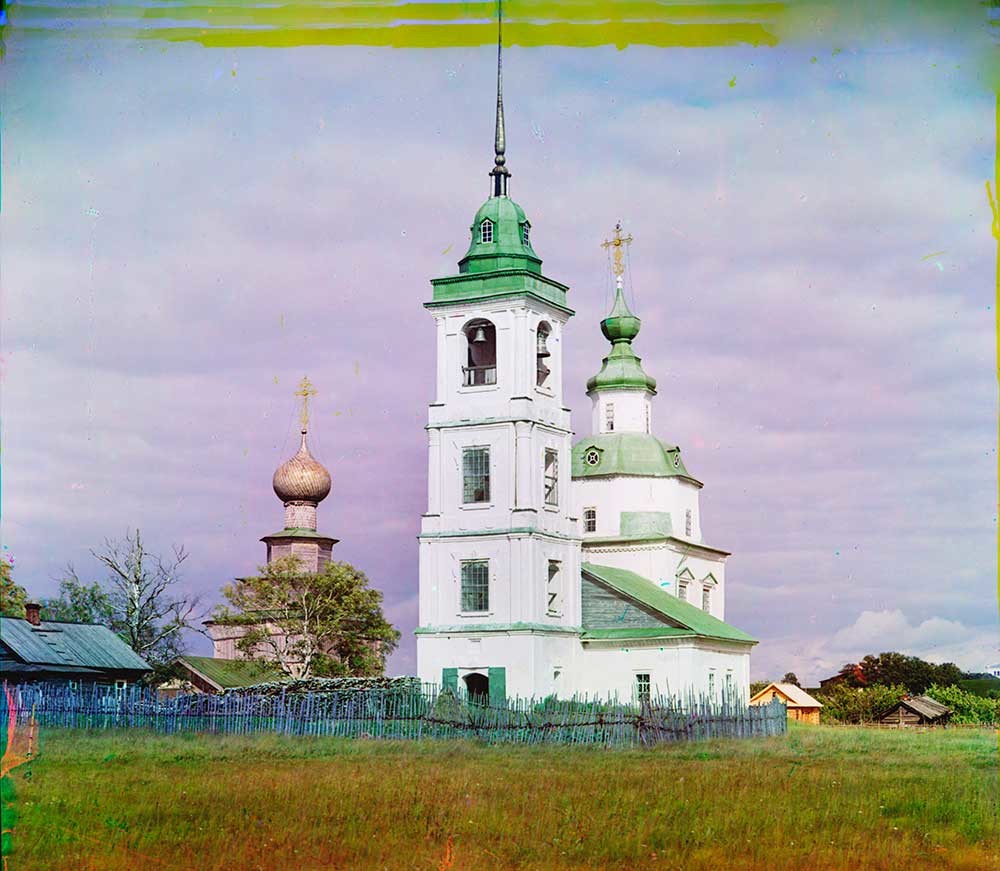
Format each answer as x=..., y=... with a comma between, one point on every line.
x=481, y=368
x=486, y=230
x=541, y=352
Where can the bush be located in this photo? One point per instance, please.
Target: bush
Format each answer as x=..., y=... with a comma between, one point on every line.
x=968, y=707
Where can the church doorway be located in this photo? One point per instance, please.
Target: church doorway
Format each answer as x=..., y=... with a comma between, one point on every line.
x=478, y=687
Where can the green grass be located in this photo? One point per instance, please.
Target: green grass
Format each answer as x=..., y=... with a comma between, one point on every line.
x=819, y=798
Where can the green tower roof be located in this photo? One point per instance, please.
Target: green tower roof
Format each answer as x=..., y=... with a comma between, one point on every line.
x=508, y=235
x=622, y=369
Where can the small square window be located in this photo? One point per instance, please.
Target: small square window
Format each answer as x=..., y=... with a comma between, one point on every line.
x=643, y=686
x=590, y=520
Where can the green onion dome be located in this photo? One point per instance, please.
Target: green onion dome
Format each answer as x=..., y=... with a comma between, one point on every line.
x=621, y=369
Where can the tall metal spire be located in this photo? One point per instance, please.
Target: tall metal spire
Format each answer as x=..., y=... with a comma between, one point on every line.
x=500, y=173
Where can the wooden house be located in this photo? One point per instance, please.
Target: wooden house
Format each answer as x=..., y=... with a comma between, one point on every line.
x=801, y=706
x=33, y=649
x=917, y=711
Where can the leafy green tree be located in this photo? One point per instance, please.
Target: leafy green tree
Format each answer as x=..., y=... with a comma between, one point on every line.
x=757, y=685
x=791, y=678
x=891, y=669
x=12, y=595
x=78, y=602
x=323, y=624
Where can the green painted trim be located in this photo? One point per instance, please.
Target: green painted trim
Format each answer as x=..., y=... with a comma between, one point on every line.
x=449, y=679
x=475, y=533
x=299, y=532
x=645, y=592
x=493, y=297
x=648, y=539
x=498, y=685
x=497, y=627
x=636, y=634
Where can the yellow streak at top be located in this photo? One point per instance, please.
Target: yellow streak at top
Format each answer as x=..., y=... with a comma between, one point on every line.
x=530, y=23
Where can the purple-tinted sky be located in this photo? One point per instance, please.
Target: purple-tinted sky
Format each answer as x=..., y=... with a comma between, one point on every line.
x=186, y=232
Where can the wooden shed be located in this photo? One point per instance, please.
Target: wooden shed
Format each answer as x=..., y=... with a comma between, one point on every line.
x=801, y=706
x=917, y=711
x=206, y=674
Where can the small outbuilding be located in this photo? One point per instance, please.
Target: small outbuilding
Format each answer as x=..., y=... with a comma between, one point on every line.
x=917, y=711
x=801, y=706
x=207, y=674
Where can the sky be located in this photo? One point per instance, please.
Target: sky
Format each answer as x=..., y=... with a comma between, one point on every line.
x=187, y=231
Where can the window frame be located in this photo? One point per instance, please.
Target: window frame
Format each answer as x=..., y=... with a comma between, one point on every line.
x=609, y=417
x=482, y=589
x=485, y=228
x=525, y=233
x=553, y=589
x=486, y=477
x=592, y=452
x=706, y=598
x=590, y=523
x=550, y=481
x=643, y=686
x=682, y=589
x=688, y=522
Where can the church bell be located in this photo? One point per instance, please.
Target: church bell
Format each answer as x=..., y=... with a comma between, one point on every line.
x=541, y=349
x=480, y=335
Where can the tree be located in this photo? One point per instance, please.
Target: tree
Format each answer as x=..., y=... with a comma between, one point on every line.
x=323, y=624
x=78, y=602
x=891, y=669
x=146, y=611
x=12, y=595
x=791, y=678
x=757, y=685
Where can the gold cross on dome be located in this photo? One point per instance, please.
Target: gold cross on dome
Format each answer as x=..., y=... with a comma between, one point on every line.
x=305, y=391
x=617, y=242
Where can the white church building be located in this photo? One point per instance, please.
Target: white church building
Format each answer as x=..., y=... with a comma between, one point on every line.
x=549, y=567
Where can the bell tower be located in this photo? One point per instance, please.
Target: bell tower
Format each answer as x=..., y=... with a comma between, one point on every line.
x=499, y=543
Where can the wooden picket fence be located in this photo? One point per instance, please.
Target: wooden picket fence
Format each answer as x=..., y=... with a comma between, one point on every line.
x=412, y=713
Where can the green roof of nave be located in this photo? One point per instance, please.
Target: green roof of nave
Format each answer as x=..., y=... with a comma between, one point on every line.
x=628, y=453
x=504, y=265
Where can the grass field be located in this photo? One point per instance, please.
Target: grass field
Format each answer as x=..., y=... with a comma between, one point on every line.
x=820, y=798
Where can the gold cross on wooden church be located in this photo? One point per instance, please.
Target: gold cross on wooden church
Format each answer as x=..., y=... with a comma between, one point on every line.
x=617, y=243
x=305, y=391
